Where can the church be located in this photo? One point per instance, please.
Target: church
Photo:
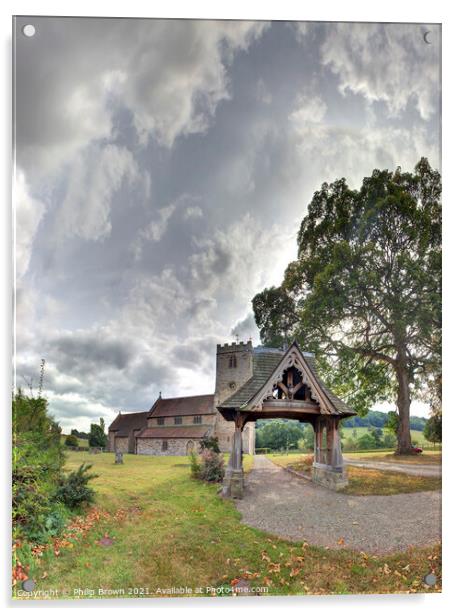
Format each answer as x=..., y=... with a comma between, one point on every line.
x=175, y=426
x=251, y=383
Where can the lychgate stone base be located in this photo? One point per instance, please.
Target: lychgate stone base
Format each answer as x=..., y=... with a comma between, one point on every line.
x=329, y=477
x=233, y=484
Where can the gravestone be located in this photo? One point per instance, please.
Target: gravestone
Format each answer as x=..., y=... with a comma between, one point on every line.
x=118, y=457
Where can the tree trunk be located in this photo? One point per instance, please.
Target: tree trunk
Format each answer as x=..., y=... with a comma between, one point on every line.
x=403, y=405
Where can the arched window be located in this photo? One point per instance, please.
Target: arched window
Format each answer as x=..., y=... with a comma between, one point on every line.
x=232, y=361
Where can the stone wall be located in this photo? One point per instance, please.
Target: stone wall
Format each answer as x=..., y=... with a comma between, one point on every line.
x=329, y=478
x=121, y=444
x=153, y=446
x=111, y=443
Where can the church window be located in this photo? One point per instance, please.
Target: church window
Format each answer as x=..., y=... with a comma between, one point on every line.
x=164, y=445
x=197, y=419
x=178, y=420
x=160, y=421
x=232, y=361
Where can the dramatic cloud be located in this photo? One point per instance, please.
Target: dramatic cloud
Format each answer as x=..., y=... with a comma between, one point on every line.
x=29, y=212
x=164, y=167
x=97, y=174
x=386, y=62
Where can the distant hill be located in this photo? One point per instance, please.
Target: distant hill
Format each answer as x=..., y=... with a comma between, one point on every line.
x=377, y=419
x=374, y=419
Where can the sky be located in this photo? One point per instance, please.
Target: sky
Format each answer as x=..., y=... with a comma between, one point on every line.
x=162, y=170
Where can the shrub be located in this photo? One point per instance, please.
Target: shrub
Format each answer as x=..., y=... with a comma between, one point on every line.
x=212, y=466
x=71, y=441
x=74, y=490
x=194, y=465
x=211, y=443
x=38, y=459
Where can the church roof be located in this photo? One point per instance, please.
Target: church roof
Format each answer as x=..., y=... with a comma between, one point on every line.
x=186, y=405
x=124, y=423
x=265, y=362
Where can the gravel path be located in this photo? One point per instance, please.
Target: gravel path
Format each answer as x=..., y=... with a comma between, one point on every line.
x=284, y=505
x=424, y=470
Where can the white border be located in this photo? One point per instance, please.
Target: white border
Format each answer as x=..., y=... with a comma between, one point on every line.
x=392, y=10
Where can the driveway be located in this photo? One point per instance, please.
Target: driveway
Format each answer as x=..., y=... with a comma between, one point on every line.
x=282, y=504
x=424, y=470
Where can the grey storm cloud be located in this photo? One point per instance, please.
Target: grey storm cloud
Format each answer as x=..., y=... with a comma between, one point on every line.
x=81, y=352
x=163, y=168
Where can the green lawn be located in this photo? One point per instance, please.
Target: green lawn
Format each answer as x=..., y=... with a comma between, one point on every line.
x=167, y=531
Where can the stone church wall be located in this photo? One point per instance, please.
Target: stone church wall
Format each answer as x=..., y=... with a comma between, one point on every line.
x=153, y=446
x=121, y=444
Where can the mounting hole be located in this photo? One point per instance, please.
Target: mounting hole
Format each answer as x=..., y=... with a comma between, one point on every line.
x=28, y=30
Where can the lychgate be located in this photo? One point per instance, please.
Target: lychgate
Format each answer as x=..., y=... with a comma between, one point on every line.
x=285, y=384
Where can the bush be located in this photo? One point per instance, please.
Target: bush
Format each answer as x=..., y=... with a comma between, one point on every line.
x=71, y=441
x=211, y=443
x=74, y=490
x=38, y=459
x=212, y=466
x=194, y=465
x=209, y=467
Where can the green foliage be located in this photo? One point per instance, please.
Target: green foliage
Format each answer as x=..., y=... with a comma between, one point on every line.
x=278, y=434
x=98, y=437
x=389, y=440
x=71, y=441
x=74, y=490
x=194, y=465
x=38, y=459
x=307, y=442
x=78, y=434
x=369, y=267
x=210, y=442
x=275, y=316
x=366, y=441
x=392, y=423
x=433, y=429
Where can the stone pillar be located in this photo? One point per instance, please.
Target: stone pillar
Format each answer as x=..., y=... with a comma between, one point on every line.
x=233, y=477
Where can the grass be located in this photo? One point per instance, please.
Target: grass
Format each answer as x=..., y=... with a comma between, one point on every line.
x=432, y=457
x=169, y=532
x=368, y=481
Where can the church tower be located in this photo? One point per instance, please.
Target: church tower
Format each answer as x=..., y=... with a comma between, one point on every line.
x=234, y=367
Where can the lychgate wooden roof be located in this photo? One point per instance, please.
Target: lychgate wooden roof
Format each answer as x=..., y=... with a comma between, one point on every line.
x=268, y=365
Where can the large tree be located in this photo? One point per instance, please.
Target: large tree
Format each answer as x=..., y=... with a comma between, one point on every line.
x=365, y=291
